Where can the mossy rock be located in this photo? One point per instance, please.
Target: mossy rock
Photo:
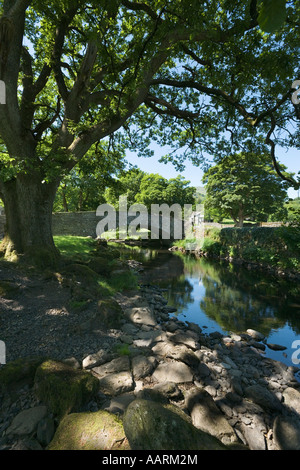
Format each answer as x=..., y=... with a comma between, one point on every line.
x=19, y=372
x=108, y=315
x=154, y=426
x=107, y=252
x=82, y=273
x=100, y=266
x=62, y=388
x=98, y=430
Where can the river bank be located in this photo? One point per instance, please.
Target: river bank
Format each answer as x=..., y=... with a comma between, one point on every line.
x=248, y=264
x=223, y=385
x=274, y=250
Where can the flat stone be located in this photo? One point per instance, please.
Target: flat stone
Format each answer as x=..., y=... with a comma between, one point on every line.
x=203, y=370
x=230, y=362
x=182, y=353
x=185, y=338
x=276, y=347
x=292, y=399
x=27, y=420
x=173, y=371
x=119, y=364
x=142, y=366
x=96, y=359
x=141, y=316
x=254, y=437
x=143, y=343
x=255, y=334
x=130, y=329
x=119, y=403
x=115, y=384
x=163, y=349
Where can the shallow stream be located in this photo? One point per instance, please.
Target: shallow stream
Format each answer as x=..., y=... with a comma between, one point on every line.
x=219, y=296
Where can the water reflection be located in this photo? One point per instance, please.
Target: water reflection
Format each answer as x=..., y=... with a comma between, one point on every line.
x=227, y=298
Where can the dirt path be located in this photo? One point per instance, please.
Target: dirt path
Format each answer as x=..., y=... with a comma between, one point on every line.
x=36, y=317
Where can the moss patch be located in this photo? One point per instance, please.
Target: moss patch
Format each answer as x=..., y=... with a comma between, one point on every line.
x=90, y=431
x=18, y=372
x=110, y=313
x=82, y=273
x=100, y=266
x=154, y=426
x=62, y=388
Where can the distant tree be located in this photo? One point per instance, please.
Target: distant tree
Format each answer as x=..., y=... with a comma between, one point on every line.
x=128, y=184
x=293, y=211
x=244, y=186
x=179, y=192
x=150, y=188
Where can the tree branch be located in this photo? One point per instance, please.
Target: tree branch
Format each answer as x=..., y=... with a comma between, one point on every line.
x=58, y=50
x=271, y=143
x=82, y=81
x=137, y=6
x=171, y=110
x=210, y=91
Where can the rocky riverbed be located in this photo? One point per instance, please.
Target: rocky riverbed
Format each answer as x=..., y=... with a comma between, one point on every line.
x=222, y=384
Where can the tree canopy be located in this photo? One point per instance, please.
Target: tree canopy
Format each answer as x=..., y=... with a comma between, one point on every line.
x=202, y=77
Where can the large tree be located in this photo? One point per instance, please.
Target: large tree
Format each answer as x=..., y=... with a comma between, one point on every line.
x=183, y=72
x=244, y=186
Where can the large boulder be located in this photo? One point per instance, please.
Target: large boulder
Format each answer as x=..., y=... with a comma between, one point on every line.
x=263, y=397
x=109, y=314
x=154, y=426
x=287, y=432
x=26, y=421
x=100, y=430
x=62, y=388
x=292, y=399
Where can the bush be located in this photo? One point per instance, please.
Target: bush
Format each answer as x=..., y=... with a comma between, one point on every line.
x=275, y=246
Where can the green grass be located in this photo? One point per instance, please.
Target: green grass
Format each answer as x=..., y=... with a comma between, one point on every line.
x=71, y=246
x=124, y=235
x=83, y=249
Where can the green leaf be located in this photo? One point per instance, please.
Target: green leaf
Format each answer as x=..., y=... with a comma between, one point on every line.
x=272, y=15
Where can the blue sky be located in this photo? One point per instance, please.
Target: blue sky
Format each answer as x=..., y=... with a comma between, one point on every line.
x=290, y=158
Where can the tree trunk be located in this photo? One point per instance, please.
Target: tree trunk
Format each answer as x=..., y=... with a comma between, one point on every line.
x=28, y=206
x=65, y=203
x=241, y=218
